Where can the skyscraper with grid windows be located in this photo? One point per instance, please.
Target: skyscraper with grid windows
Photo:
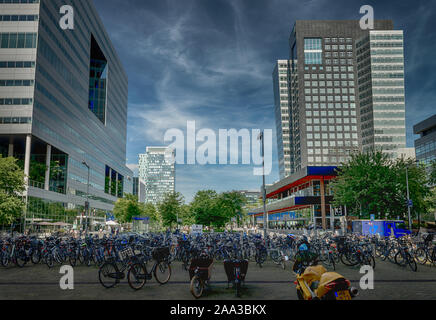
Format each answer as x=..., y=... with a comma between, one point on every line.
x=157, y=173
x=281, y=81
x=325, y=91
x=380, y=67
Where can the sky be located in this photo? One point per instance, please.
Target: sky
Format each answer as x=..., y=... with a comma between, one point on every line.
x=211, y=61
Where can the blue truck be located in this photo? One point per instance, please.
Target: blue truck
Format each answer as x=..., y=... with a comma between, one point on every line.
x=381, y=227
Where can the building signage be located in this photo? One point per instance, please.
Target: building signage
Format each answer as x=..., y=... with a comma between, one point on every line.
x=196, y=229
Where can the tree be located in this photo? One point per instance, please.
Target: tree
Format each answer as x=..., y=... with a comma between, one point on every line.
x=433, y=173
x=12, y=185
x=431, y=215
x=365, y=184
x=186, y=215
x=372, y=183
x=204, y=208
x=170, y=207
x=232, y=204
x=212, y=209
x=126, y=208
x=419, y=189
x=150, y=210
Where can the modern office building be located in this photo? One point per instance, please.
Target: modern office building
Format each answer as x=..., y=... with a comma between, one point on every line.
x=281, y=82
x=157, y=173
x=63, y=109
x=303, y=198
x=380, y=73
x=135, y=186
x=139, y=189
x=252, y=196
x=406, y=153
x=425, y=145
x=324, y=111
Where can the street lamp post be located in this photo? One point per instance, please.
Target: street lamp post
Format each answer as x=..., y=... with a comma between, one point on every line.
x=408, y=199
x=265, y=213
x=87, y=198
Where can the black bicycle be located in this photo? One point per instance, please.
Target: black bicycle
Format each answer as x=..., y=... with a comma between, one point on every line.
x=113, y=270
x=236, y=271
x=138, y=274
x=200, y=272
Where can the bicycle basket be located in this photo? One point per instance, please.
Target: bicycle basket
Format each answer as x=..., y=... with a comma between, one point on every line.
x=126, y=253
x=204, y=266
x=229, y=268
x=160, y=254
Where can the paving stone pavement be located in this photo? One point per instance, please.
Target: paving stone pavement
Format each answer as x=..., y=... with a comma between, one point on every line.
x=269, y=282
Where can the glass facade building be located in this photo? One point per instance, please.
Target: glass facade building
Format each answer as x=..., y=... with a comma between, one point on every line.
x=282, y=116
x=325, y=87
x=157, y=173
x=380, y=67
x=425, y=145
x=139, y=189
x=303, y=198
x=66, y=117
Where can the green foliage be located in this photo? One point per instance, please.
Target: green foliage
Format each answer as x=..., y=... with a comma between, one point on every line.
x=186, y=215
x=371, y=183
x=431, y=215
x=150, y=210
x=126, y=208
x=170, y=207
x=418, y=186
x=204, y=208
x=433, y=173
x=232, y=204
x=212, y=209
x=11, y=185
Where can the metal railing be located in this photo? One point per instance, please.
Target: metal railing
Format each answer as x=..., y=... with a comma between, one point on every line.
x=36, y=184
x=41, y=185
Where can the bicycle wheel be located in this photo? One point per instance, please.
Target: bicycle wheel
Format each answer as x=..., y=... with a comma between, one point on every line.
x=88, y=259
x=275, y=256
x=379, y=251
x=73, y=260
x=81, y=257
x=185, y=260
x=35, y=257
x=392, y=254
x=238, y=289
x=258, y=260
x=348, y=259
x=197, y=287
x=20, y=259
x=421, y=256
x=261, y=257
x=136, y=276
x=107, y=275
x=162, y=272
x=369, y=261
x=411, y=262
x=49, y=261
x=5, y=260
x=329, y=262
x=400, y=259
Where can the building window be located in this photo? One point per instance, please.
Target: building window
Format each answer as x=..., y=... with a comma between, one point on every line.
x=97, y=82
x=313, y=51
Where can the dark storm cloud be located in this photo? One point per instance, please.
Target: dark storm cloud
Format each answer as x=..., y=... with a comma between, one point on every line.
x=212, y=60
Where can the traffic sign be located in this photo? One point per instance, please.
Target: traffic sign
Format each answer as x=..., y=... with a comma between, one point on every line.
x=196, y=229
x=410, y=203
